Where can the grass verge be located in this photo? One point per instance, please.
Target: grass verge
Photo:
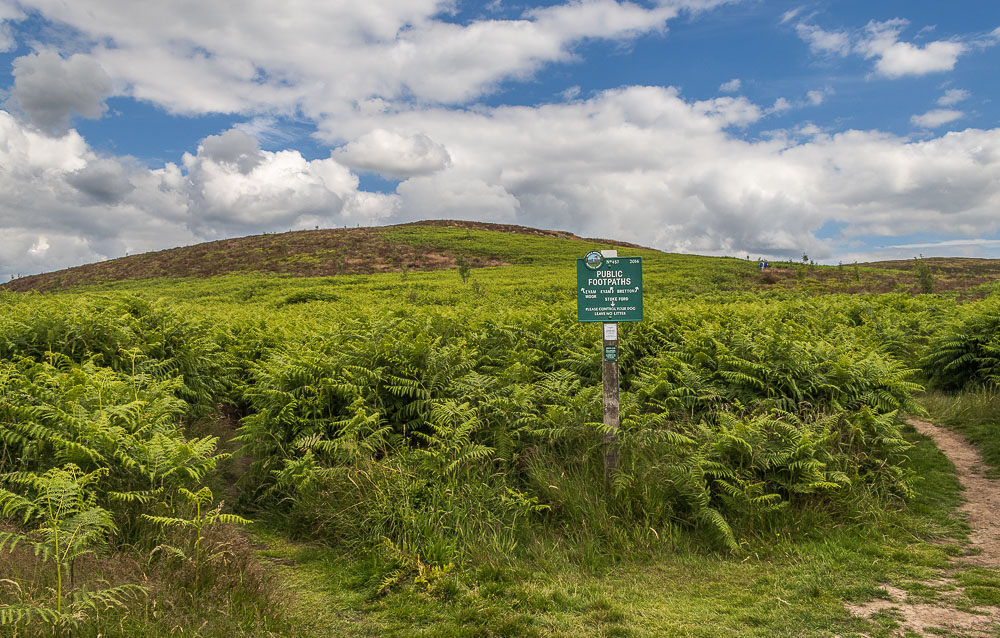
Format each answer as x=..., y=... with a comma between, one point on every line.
x=794, y=584
x=238, y=598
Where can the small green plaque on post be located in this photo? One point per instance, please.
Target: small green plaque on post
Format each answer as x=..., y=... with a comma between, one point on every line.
x=611, y=353
x=608, y=288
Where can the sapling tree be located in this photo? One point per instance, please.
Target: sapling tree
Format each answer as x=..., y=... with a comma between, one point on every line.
x=464, y=269
x=924, y=275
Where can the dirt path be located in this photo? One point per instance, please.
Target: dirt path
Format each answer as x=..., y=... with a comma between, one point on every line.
x=982, y=504
x=982, y=507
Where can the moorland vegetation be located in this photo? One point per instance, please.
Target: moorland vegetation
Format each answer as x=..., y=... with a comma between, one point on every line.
x=436, y=435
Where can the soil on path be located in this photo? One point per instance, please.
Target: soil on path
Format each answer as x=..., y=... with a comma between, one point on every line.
x=982, y=495
x=982, y=509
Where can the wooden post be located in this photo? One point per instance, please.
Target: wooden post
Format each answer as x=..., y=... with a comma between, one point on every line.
x=609, y=373
x=611, y=389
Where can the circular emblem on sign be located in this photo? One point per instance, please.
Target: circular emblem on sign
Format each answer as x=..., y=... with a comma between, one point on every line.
x=593, y=259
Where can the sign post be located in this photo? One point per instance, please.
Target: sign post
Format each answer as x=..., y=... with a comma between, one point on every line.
x=609, y=290
x=612, y=387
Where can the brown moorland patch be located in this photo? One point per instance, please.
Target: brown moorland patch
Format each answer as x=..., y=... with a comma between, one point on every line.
x=303, y=253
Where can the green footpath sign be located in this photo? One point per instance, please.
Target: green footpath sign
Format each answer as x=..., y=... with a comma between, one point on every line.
x=608, y=288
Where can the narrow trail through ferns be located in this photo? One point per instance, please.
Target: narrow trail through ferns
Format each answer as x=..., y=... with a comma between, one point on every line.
x=951, y=608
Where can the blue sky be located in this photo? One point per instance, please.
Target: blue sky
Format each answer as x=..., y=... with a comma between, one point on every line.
x=847, y=130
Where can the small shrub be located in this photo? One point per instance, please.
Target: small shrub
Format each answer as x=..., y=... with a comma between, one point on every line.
x=925, y=278
x=464, y=269
x=305, y=296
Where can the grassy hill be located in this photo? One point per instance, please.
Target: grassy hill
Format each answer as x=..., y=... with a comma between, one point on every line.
x=445, y=245
x=420, y=246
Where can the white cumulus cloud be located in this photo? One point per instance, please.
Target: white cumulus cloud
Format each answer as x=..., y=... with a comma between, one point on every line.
x=232, y=187
x=936, y=118
x=9, y=12
x=50, y=89
x=903, y=58
x=101, y=181
x=64, y=204
x=880, y=41
x=40, y=247
x=643, y=164
x=824, y=42
x=234, y=148
x=781, y=105
x=394, y=154
x=817, y=97
x=732, y=86
x=952, y=97
x=327, y=57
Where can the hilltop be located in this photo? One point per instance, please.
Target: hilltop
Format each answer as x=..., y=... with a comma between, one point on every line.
x=436, y=245
x=417, y=246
